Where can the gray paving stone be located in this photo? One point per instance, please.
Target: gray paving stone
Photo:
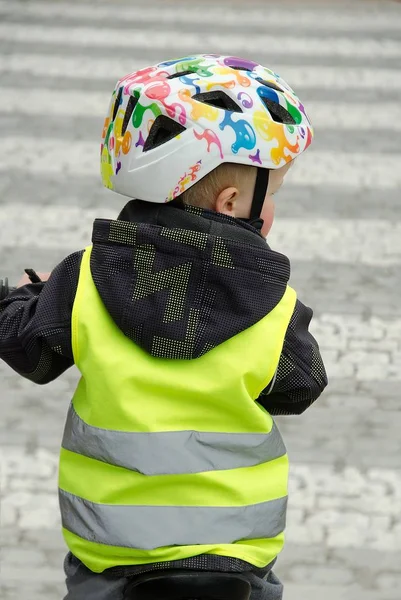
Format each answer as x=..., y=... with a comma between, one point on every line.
x=316, y=592
x=87, y=128
x=151, y=56
x=299, y=203
x=119, y=23
x=103, y=84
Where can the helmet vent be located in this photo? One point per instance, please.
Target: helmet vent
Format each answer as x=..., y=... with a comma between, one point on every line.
x=132, y=102
x=117, y=103
x=278, y=112
x=219, y=99
x=180, y=74
x=163, y=130
x=270, y=84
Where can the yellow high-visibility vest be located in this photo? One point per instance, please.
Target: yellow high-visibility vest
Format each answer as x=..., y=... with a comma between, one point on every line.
x=166, y=459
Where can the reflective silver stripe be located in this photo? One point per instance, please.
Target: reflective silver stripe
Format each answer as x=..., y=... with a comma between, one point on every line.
x=149, y=527
x=171, y=452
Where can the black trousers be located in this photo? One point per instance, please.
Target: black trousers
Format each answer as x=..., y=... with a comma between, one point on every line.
x=83, y=584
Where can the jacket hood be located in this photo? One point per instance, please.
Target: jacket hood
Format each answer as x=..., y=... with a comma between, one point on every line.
x=180, y=280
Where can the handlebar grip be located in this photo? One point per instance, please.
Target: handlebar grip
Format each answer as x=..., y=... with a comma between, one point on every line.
x=5, y=289
x=33, y=276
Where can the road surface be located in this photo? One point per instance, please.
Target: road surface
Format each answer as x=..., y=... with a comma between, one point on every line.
x=338, y=219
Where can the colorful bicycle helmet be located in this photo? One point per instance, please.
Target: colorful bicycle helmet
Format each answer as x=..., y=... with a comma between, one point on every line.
x=171, y=124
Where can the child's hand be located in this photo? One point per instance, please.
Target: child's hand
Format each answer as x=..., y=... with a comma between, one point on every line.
x=25, y=279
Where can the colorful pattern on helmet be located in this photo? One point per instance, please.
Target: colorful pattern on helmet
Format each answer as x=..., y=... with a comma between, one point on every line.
x=249, y=133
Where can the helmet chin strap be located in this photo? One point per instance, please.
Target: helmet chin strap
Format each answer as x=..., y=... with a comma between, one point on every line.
x=259, y=193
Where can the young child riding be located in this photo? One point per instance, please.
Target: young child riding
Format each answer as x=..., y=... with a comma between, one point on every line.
x=186, y=333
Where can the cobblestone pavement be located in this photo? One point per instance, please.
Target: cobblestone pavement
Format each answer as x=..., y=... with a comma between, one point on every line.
x=338, y=219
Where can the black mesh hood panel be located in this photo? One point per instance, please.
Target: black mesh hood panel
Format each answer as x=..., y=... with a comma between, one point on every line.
x=179, y=281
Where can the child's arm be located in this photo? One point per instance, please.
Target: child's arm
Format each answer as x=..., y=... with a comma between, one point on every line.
x=300, y=377
x=35, y=324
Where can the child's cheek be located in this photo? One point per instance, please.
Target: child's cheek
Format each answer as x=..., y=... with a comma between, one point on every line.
x=267, y=215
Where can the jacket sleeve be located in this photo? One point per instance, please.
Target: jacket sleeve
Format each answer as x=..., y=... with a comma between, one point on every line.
x=35, y=324
x=301, y=376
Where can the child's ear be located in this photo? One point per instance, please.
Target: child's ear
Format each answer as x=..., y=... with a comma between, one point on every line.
x=226, y=201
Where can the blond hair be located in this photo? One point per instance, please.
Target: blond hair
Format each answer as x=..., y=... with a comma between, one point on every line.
x=204, y=193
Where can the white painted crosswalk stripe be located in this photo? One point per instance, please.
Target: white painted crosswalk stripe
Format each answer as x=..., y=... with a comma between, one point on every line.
x=365, y=349
x=66, y=103
x=262, y=16
x=87, y=67
x=350, y=508
x=104, y=37
x=345, y=240
x=356, y=170
x=338, y=240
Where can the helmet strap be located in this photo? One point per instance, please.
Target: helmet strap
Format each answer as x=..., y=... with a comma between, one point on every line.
x=259, y=193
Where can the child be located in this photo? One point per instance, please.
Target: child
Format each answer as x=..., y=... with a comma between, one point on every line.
x=186, y=333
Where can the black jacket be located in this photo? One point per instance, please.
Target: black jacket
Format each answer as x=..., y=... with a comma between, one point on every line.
x=190, y=276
